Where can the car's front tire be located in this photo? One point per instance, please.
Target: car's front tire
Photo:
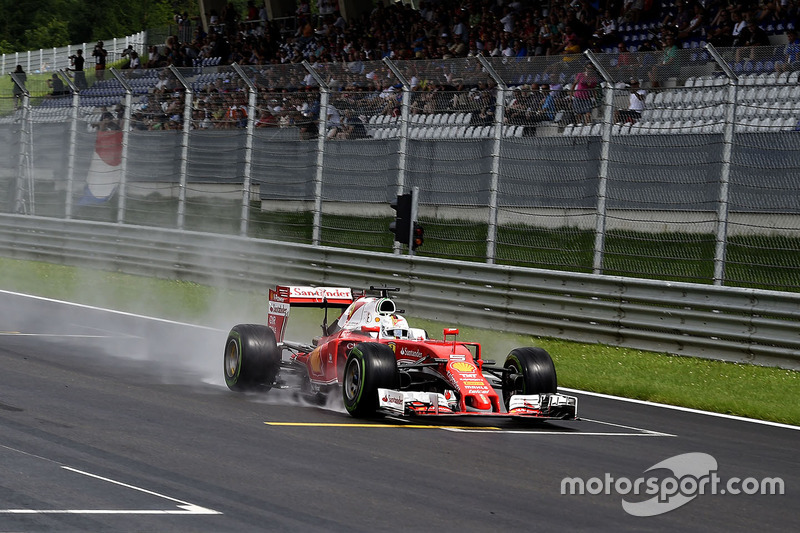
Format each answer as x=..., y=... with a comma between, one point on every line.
x=252, y=358
x=369, y=367
x=528, y=371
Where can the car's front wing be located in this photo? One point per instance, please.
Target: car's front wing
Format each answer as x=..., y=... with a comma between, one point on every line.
x=549, y=406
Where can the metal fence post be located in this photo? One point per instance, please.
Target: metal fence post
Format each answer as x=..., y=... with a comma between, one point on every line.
x=126, y=127
x=602, y=171
x=324, y=94
x=405, y=104
x=73, y=141
x=252, y=91
x=23, y=195
x=499, y=114
x=721, y=234
x=187, y=125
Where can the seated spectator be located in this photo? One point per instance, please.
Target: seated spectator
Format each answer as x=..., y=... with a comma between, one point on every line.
x=749, y=38
x=57, y=85
x=667, y=65
x=720, y=32
x=791, y=54
x=352, y=127
x=635, y=104
x=694, y=28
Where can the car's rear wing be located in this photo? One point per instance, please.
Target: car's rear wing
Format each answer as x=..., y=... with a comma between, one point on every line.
x=283, y=297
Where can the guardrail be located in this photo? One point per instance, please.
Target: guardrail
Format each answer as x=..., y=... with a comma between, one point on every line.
x=724, y=323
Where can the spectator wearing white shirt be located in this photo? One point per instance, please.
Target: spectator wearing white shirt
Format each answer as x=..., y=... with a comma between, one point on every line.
x=635, y=104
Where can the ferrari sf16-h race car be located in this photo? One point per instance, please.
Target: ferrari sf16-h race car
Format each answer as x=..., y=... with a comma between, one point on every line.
x=383, y=366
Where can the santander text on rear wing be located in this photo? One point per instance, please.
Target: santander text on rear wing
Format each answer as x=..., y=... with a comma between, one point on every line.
x=283, y=297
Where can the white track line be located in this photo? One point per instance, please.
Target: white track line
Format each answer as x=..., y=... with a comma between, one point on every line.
x=679, y=408
x=94, y=308
x=184, y=508
x=63, y=335
x=639, y=432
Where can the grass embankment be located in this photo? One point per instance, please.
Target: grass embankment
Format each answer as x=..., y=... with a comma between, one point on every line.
x=744, y=390
x=664, y=256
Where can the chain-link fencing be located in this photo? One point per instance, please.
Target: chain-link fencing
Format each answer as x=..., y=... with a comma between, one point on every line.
x=677, y=164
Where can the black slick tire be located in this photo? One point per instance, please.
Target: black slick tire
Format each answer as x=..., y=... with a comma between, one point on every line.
x=529, y=371
x=370, y=366
x=252, y=358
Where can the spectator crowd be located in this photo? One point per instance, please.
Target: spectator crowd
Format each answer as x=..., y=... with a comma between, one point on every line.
x=440, y=29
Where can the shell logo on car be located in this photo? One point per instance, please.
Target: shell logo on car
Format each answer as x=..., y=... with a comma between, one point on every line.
x=463, y=367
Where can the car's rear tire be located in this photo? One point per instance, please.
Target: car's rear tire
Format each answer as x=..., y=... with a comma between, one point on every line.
x=252, y=358
x=369, y=367
x=529, y=371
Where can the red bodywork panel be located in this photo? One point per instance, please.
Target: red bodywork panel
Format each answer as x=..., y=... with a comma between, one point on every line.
x=456, y=364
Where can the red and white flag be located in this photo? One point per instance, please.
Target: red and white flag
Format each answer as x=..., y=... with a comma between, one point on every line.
x=104, y=171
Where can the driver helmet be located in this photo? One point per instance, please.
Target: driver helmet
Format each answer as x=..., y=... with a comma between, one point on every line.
x=394, y=326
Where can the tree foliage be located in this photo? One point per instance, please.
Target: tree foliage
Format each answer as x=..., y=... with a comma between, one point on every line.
x=34, y=24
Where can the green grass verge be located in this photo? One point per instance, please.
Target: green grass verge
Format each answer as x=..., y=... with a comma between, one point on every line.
x=744, y=390
x=761, y=262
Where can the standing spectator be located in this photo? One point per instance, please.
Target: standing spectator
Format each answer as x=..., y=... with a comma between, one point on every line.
x=99, y=55
x=19, y=86
x=77, y=61
x=626, y=61
x=582, y=93
x=127, y=53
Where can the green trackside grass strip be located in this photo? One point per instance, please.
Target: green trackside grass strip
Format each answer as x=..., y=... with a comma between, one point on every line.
x=761, y=262
x=737, y=389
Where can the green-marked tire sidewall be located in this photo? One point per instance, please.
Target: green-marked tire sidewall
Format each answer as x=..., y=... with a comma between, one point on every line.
x=232, y=381
x=352, y=405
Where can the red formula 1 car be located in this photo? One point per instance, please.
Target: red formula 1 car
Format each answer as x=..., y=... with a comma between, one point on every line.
x=385, y=366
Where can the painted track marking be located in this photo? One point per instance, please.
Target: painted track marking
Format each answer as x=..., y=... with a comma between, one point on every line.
x=183, y=507
x=400, y=426
x=634, y=431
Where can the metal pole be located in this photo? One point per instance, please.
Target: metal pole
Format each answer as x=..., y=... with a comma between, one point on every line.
x=252, y=92
x=24, y=195
x=324, y=95
x=721, y=234
x=405, y=106
x=24, y=178
x=499, y=114
x=414, y=212
x=126, y=127
x=73, y=142
x=602, y=173
x=187, y=124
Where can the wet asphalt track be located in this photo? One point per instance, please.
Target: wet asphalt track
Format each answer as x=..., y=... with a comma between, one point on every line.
x=112, y=422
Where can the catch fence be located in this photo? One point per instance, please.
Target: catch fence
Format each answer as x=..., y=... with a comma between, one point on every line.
x=514, y=163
